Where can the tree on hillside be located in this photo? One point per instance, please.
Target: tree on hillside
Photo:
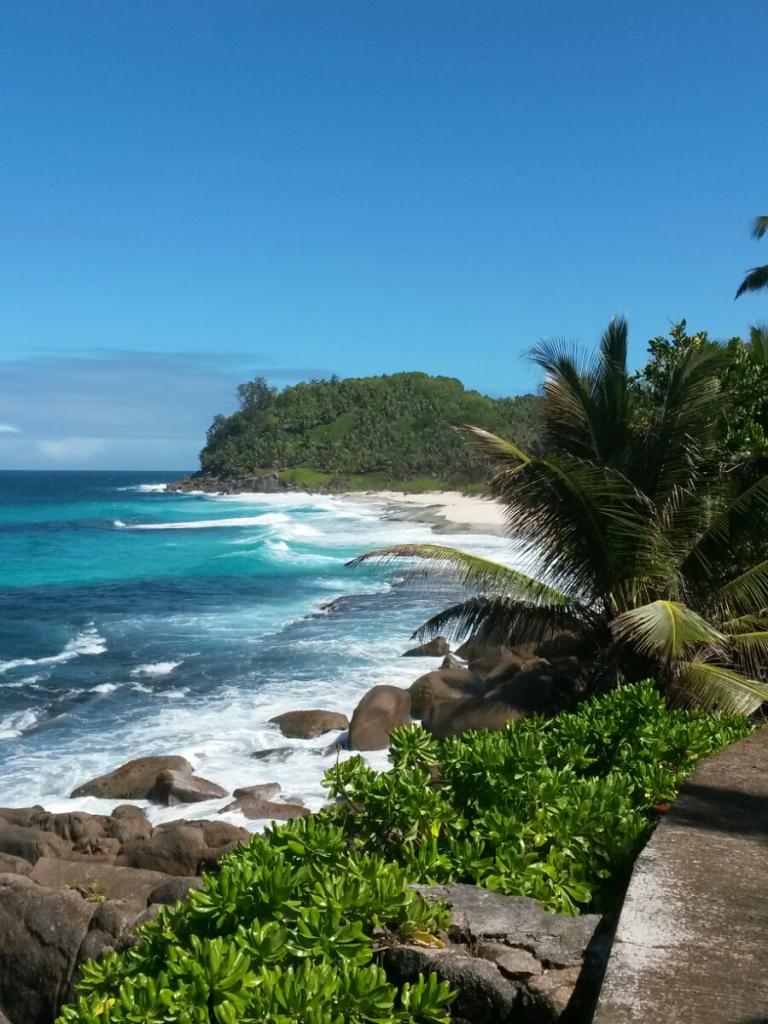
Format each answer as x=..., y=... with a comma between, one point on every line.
x=757, y=277
x=631, y=527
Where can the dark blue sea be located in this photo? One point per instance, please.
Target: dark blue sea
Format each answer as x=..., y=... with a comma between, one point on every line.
x=134, y=621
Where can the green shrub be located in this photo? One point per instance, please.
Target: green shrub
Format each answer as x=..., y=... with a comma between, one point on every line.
x=555, y=810
x=283, y=933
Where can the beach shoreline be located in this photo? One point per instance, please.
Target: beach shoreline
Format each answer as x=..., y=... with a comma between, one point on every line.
x=444, y=511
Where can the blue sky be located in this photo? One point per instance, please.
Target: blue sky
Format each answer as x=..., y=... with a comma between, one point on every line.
x=192, y=193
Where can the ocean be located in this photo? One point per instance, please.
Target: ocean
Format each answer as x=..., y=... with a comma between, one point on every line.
x=137, y=622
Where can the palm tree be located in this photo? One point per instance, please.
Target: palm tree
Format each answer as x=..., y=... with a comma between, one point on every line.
x=631, y=531
x=757, y=278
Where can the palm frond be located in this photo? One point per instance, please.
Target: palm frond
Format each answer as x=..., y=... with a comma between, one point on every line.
x=713, y=686
x=469, y=570
x=758, y=344
x=667, y=630
x=746, y=594
x=498, y=449
x=756, y=279
x=751, y=651
x=730, y=519
x=759, y=227
x=505, y=623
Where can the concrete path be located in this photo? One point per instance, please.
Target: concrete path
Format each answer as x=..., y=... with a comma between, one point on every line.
x=692, y=940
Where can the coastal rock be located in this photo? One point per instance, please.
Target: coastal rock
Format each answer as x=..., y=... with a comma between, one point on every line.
x=435, y=648
x=273, y=753
x=380, y=711
x=98, y=882
x=443, y=684
x=180, y=787
x=112, y=927
x=10, y=865
x=259, y=807
x=173, y=890
x=528, y=692
x=31, y=843
x=41, y=932
x=265, y=791
x=133, y=780
x=484, y=995
x=22, y=816
x=183, y=847
x=450, y=661
x=128, y=822
x=306, y=725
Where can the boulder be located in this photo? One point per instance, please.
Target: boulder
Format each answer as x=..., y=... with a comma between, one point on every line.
x=112, y=927
x=99, y=882
x=306, y=725
x=10, y=865
x=183, y=847
x=174, y=890
x=21, y=816
x=484, y=995
x=132, y=780
x=478, y=915
x=265, y=791
x=41, y=932
x=380, y=711
x=453, y=717
x=274, y=754
x=444, y=684
x=74, y=827
x=258, y=807
x=565, y=645
x=180, y=787
x=435, y=648
x=31, y=843
x=128, y=822
x=450, y=661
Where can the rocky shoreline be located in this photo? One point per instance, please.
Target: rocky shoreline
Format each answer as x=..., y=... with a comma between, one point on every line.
x=75, y=885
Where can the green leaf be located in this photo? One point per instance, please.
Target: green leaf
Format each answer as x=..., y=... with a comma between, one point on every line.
x=665, y=629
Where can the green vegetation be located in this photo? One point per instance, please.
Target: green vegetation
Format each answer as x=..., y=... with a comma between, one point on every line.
x=757, y=278
x=283, y=934
x=646, y=541
x=554, y=810
x=389, y=432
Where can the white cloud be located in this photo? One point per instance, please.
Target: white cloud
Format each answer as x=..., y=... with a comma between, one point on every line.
x=8, y=428
x=71, y=448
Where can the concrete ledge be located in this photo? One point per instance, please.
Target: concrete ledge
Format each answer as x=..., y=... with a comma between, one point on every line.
x=692, y=938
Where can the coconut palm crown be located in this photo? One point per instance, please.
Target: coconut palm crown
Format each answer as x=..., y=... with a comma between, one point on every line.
x=636, y=538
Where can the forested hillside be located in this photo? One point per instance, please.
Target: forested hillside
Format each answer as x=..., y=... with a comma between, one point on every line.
x=363, y=431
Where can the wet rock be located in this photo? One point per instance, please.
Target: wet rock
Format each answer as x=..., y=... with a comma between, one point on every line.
x=181, y=787
x=259, y=807
x=450, y=661
x=265, y=791
x=273, y=754
x=380, y=711
x=133, y=780
x=444, y=684
x=306, y=725
x=435, y=648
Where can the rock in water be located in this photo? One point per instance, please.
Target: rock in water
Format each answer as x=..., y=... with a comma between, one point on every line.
x=432, y=649
x=306, y=725
x=133, y=780
x=174, y=787
x=380, y=711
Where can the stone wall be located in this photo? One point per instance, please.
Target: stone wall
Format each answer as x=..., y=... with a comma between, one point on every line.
x=692, y=936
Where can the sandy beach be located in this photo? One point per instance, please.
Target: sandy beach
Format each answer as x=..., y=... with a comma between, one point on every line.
x=447, y=511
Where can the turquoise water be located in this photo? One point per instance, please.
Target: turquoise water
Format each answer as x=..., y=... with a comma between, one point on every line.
x=134, y=622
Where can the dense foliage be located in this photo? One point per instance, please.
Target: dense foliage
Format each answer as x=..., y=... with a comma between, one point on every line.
x=556, y=810
x=642, y=540
x=332, y=431
x=283, y=934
